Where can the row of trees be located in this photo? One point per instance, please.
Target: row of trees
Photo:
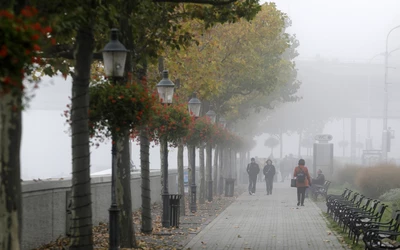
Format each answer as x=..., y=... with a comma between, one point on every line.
x=209, y=47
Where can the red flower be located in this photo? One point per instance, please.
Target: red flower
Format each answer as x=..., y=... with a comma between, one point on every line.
x=47, y=29
x=35, y=37
x=26, y=12
x=7, y=14
x=36, y=47
x=3, y=51
x=7, y=80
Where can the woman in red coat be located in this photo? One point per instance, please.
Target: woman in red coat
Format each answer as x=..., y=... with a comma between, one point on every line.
x=303, y=181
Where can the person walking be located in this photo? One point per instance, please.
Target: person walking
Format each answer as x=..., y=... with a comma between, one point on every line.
x=269, y=173
x=303, y=181
x=252, y=169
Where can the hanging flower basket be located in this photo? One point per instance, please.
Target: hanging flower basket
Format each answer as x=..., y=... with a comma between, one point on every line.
x=115, y=108
x=21, y=40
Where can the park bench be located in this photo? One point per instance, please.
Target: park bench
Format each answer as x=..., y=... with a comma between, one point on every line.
x=363, y=221
x=369, y=210
x=345, y=207
x=340, y=204
x=320, y=190
x=333, y=200
x=351, y=212
x=383, y=235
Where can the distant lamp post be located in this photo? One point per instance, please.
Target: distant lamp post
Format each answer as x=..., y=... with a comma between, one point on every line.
x=386, y=139
x=114, y=57
x=212, y=115
x=165, y=90
x=222, y=121
x=194, y=106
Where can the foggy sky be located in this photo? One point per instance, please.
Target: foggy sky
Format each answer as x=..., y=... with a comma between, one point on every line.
x=343, y=29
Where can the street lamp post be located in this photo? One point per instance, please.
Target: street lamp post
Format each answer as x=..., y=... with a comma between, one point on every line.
x=368, y=141
x=114, y=57
x=385, y=111
x=194, y=106
x=211, y=114
x=165, y=90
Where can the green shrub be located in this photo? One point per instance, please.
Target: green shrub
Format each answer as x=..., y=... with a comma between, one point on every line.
x=392, y=196
x=375, y=181
x=346, y=175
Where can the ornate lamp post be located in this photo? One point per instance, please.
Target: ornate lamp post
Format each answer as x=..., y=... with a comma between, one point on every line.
x=165, y=90
x=211, y=114
x=114, y=57
x=194, y=106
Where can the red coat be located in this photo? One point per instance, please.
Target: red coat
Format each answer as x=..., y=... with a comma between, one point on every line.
x=307, y=181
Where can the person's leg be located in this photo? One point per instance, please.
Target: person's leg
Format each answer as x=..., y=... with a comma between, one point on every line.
x=271, y=187
x=266, y=185
x=250, y=185
x=298, y=196
x=254, y=187
x=303, y=195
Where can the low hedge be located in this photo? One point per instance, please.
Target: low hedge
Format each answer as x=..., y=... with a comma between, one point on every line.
x=375, y=181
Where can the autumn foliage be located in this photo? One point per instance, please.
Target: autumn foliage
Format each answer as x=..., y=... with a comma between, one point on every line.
x=377, y=180
x=22, y=37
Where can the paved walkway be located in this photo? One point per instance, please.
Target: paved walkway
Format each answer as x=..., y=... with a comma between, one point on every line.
x=267, y=222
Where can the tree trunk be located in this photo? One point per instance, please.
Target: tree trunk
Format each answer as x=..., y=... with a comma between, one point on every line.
x=10, y=173
x=228, y=162
x=162, y=163
x=123, y=193
x=190, y=162
x=235, y=162
x=280, y=144
x=209, y=172
x=202, y=188
x=81, y=226
x=300, y=138
x=181, y=184
x=221, y=171
x=215, y=169
x=10, y=168
x=147, y=224
x=242, y=164
x=126, y=229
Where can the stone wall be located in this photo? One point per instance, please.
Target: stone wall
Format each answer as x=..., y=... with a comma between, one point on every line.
x=45, y=204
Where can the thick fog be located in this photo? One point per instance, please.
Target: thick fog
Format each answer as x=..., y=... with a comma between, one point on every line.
x=339, y=82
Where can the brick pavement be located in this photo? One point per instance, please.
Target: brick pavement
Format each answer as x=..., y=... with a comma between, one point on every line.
x=268, y=222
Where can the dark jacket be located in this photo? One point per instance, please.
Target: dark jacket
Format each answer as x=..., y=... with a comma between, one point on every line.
x=269, y=171
x=320, y=180
x=253, y=169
